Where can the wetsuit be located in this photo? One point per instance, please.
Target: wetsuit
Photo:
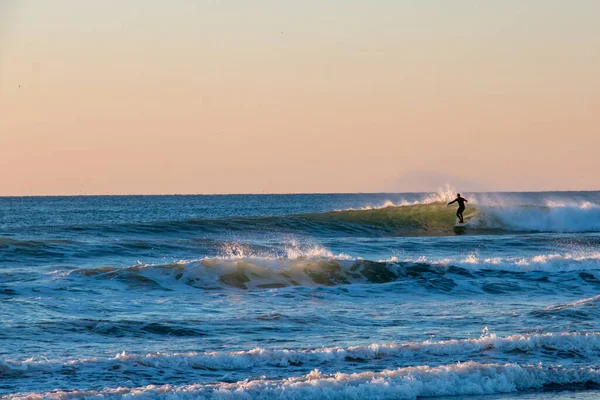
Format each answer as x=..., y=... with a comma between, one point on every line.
x=461, y=207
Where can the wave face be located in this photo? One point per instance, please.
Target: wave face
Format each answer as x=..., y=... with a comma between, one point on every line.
x=300, y=296
x=433, y=219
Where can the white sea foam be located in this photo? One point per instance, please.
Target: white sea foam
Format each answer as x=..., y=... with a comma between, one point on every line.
x=292, y=250
x=541, y=262
x=557, y=262
x=443, y=195
x=581, y=344
x=460, y=379
x=553, y=217
x=591, y=301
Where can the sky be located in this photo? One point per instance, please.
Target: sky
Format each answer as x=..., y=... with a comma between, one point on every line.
x=275, y=96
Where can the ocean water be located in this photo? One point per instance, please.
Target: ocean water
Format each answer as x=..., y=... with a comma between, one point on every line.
x=342, y=296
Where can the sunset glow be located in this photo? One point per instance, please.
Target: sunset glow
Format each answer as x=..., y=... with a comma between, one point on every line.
x=108, y=97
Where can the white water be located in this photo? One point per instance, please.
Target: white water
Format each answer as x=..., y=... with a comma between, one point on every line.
x=460, y=379
x=488, y=345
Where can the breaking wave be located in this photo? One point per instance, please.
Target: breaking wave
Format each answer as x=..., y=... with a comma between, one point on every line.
x=567, y=345
x=428, y=219
x=469, y=378
x=318, y=267
x=441, y=377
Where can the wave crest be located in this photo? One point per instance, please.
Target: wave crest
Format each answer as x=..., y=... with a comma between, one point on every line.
x=469, y=378
x=577, y=345
x=318, y=267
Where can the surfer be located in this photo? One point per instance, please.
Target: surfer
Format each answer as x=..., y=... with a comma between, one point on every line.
x=461, y=206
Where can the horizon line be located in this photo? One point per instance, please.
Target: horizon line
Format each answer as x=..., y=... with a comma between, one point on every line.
x=288, y=193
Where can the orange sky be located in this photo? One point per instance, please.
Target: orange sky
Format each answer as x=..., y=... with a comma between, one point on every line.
x=111, y=97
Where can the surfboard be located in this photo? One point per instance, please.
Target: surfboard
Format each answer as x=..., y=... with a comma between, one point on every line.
x=459, y=228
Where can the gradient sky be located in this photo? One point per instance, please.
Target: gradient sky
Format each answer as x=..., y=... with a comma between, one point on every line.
x=148, y=96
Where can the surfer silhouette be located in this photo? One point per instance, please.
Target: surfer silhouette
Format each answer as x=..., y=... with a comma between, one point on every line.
x=461, y=206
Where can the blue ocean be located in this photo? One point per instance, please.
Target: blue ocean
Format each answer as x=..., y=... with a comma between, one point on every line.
x=311, y=296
